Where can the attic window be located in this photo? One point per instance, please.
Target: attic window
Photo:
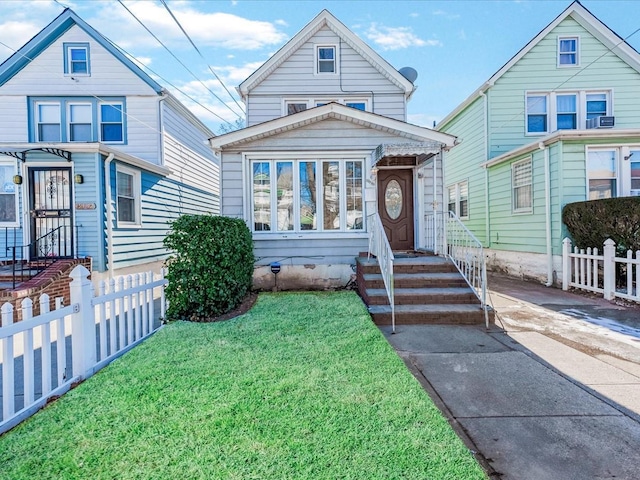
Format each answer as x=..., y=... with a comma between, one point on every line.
x=326, y=59
x=568, y=54
x=76, y=59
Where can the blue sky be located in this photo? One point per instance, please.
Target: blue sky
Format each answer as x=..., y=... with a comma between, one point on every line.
x=454, y=45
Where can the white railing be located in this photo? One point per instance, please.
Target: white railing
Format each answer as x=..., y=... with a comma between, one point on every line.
x=380, y=248
x=588, y=270
x=43, y=356
x=446, y=235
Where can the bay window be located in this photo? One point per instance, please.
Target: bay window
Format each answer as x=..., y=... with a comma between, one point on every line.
x=307, y=195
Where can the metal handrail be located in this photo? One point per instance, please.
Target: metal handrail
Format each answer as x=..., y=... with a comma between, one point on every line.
x=380, y=248
x=446, y=235
x=43, y=262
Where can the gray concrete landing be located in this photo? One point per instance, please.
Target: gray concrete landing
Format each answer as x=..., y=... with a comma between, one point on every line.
x=528, y=419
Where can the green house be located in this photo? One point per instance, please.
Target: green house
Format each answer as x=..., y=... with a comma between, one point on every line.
x=558, y=123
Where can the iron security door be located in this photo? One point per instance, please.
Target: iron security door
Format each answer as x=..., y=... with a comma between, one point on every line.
x=395, y=207
x=51, y=214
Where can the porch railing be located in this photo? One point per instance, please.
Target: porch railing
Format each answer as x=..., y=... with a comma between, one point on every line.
x=44, y=251
x=446, y=235
x=380, y=248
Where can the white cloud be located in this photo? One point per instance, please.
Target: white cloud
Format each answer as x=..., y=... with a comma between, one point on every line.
x=213, y=29
x=414, y=15
x=442, y=13
x=395, y=38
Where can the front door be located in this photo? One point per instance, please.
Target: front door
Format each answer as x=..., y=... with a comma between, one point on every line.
x=50, y=208
x=395, y=207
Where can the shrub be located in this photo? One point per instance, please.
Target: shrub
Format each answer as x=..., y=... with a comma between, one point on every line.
x=591, y=223
x=211, y=269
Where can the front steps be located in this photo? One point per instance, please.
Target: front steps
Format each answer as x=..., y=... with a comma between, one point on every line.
x=427, y=290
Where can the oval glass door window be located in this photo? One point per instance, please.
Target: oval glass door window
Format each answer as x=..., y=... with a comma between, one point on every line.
x=393, y=199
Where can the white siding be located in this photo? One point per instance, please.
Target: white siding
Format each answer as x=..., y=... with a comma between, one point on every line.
x=45, y=74
x=191, y=168
x=143, y=129
x=13, y=119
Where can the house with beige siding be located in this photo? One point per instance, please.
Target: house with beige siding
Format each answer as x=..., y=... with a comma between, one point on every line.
x=558, y=123
x=326, y=146
x=95, y=156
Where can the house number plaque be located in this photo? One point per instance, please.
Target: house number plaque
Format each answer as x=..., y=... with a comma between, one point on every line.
x=86, y=206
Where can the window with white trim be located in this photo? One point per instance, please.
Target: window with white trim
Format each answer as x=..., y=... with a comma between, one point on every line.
x=48, y=122
x=564, y=110
x=76, y=59
x=307, y=195
x=633, y=157
x=568, y=54
x=127, y=196
x=80, y=126
x=326, y=62
x=296, y=105
x=602, y=173
x=458, y=199
x=8, y=195
x=522, y=186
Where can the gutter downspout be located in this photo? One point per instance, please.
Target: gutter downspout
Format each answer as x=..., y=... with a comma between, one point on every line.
x=435, y=199
x=485, y=134
x=108, y=213
x=547, y=213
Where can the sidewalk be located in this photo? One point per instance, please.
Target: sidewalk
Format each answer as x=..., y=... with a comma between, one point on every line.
x=550, y=395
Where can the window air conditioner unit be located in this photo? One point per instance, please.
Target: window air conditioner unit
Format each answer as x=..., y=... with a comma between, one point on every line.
x=601, y=122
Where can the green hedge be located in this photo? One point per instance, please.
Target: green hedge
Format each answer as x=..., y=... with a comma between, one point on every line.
x=591, y=223
x=211, y=269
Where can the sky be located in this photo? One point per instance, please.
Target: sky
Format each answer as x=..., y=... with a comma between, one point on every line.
x=454, y=45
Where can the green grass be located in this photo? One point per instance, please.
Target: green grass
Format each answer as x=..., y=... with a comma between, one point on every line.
x=303, y=386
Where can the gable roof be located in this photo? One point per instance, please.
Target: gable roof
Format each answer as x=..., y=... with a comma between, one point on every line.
x=49, y=34
x=335, y=111
x=326, y=19
x=588, y=21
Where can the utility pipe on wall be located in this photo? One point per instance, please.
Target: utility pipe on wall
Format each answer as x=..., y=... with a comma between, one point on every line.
x=547, y=213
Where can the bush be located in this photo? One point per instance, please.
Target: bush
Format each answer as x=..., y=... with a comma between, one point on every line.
x=591, y=223
x=211, y=269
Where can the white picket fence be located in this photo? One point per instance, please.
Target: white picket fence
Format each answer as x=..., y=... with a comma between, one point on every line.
x=589, y=270
x=43, y=356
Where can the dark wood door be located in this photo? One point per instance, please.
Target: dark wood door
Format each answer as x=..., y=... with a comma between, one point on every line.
x=395, y=207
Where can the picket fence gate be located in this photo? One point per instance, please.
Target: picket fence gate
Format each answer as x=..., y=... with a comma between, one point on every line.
x=62, y=347
x=594, y=272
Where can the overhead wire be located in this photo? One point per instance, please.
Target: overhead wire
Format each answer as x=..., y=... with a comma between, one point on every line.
x=201, y=55
x=182, y=63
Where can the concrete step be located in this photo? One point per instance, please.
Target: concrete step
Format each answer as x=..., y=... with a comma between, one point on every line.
x=417, y=280
x=421, y=264
x=426, y=296
x=445, y=314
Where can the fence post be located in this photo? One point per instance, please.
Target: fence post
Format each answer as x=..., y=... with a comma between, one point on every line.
x=83, y=323
x=609, y=271
x=566, y=263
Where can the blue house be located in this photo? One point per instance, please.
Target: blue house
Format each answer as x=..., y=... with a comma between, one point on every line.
x=95, y=156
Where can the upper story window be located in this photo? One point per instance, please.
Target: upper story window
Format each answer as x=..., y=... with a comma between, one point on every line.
x=568, y=54
x=326, y=59
x=128, y=196
x=299, y=105
x=307, y=195
x=522, y=186
x=77, y=119
x=551, y=111
x=76, y=59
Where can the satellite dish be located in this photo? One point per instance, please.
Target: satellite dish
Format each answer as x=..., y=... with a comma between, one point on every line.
x=409, y=73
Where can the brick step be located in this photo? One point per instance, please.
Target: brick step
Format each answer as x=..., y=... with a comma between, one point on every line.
x=427, y=296
x=417, y=280
x=409, y=265
x=445, y=314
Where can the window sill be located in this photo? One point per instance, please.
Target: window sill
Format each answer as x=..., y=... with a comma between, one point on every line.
x=128, y=226
x=522, y=212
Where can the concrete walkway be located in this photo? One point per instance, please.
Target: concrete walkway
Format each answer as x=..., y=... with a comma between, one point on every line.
x=550, y=395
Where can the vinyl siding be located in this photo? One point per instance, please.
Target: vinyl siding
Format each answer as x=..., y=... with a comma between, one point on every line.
x=14, y=121
x=314, y=248
x=295, y=78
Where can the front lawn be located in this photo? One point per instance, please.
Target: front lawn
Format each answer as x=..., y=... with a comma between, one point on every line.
x=303, y=386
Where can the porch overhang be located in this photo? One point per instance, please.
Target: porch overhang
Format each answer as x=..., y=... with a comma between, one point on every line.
x=21, y=153
x=406, y=154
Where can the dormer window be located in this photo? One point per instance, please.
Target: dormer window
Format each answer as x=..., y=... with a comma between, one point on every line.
x=76, y=59
x=568, y=54
x=326, y=59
